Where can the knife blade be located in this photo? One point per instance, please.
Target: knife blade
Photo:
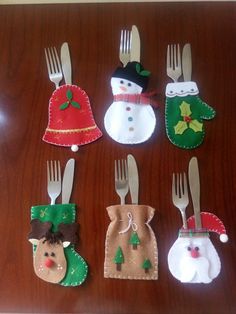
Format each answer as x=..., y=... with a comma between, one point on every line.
x=67, y=182
x=133, y=178
x=187, y=62
x=66, y=63
x=194, y=184
x=135, y=44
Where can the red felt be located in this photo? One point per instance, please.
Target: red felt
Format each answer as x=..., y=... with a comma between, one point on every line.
x=71, y=126
x=209, y=221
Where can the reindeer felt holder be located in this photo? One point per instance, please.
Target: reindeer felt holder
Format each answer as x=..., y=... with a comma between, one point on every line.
x=53, y=235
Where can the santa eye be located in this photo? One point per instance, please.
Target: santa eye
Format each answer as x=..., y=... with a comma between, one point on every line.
x=121, y=82
x=53, y=254
x=189, y=248
x=46, y=254
x=129, y=84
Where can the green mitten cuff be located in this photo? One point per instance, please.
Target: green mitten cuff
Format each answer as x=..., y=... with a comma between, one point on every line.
x=54, y=233
x=184, y=115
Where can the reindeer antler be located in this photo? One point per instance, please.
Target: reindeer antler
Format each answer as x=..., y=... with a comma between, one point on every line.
x=39, y=229
x=69, y=232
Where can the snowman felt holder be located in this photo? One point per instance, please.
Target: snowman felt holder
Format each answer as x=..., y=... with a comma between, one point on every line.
x=130, y=119
x=53, y=235
x=193, y=258
x=130, y=248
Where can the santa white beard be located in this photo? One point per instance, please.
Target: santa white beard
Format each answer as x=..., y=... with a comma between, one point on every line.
x=202, y=268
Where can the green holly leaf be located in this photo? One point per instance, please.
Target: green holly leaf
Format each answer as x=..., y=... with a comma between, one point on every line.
x=69, y=94
x=196, y=126
x=75, y=104
x=185, y=109
x=138, y=68
x=180, y=127
x=64, y=106
x=145, y=73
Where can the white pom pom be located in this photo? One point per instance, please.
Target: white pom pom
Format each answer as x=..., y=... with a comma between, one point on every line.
x=223, y=237
x=74, y=148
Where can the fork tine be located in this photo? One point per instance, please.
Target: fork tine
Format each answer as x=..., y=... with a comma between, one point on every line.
x=178, y=56
x=116, y=170
x=48, y=171
x=185, y=187
x=168, y=63
x=47, y=61
x=121, y=40
x=59, y=170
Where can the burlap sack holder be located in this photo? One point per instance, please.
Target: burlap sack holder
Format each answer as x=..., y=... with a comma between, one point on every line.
x=130, y=246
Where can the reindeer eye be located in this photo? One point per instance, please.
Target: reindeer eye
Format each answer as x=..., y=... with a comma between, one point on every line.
x=46, y=254
x=53, y=254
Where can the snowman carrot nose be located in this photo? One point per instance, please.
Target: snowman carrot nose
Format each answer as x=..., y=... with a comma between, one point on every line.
x=49, y=263
x=194, y=251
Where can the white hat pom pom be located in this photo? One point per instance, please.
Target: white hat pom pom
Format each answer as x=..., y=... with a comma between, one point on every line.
x=224, y=237
x=74, y=148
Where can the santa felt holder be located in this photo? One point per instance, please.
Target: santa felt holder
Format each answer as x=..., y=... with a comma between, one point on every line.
x=193, y=257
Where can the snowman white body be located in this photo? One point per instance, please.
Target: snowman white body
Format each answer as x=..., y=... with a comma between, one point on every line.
x=127, y=122
x=186, y=267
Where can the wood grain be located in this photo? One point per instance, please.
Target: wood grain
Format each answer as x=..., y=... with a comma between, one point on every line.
x=92, y=31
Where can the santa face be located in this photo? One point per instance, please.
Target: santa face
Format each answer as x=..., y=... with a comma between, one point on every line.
x=123, y=86
x=194, y=260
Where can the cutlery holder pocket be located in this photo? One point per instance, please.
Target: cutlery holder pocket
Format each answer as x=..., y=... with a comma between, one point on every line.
x=54, y=234
x=131, y=247
x=184, y=115
x=193, y=258
x=71, y=120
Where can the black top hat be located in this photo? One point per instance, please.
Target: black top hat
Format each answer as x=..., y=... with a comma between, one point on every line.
x=133, y=72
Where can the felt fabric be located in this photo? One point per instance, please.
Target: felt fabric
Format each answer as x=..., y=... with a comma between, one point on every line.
x=130, y=119
x=131, y=247
x=77, y=268
x=193, y=259
x=184, y=115
x=71, y=120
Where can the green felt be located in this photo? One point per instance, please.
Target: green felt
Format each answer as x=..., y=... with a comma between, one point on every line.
x=77, y=268
x=192, y=134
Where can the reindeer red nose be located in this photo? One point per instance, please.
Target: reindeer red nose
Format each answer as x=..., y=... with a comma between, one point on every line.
x=194, y=252
x=49, y=263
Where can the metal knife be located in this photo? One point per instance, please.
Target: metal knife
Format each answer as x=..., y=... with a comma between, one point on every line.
x=135, y=45
x=194, y=183
x=133, y=179
x=67, y=182
x=66, y=63
x=187, y=62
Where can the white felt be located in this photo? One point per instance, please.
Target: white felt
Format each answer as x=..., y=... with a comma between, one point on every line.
x=125, y=122
x=185, y=268
x=181, y=89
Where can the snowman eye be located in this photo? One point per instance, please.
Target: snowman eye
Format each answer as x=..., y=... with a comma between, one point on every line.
x=121, y=82
x=129, y=84
x=196, y=248
x=189, y=248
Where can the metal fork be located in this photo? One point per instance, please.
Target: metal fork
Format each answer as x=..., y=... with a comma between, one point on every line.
x=173, y=62
x=121, y=179
x=125, y=46
x=54, y=179
x=180, y=194
x=53, y=65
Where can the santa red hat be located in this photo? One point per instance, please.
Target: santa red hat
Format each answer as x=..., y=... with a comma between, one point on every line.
x=210, y=222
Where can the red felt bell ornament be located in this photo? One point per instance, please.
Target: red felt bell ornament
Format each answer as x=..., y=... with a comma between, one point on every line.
x=71, y=121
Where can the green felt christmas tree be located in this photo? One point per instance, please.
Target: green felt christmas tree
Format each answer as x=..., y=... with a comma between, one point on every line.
x=147, y=265
x=119, y=258
x=134, y=240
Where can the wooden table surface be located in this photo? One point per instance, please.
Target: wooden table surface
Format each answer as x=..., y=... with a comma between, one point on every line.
x=93, y=31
